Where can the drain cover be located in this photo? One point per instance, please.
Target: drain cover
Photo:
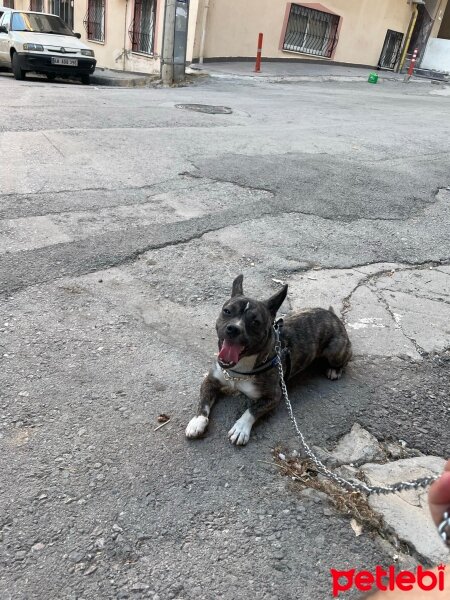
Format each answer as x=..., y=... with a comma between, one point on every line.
x=206, y=108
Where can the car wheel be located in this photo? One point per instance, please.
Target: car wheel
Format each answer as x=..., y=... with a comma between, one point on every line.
x=17, y=71
x=51, y=76
x=85, y=79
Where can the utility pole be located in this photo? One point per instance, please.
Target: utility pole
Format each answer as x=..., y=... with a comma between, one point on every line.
x=173, y=59
x=168, y=43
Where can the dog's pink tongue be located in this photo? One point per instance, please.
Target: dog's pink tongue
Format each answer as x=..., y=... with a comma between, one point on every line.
x=229, y=353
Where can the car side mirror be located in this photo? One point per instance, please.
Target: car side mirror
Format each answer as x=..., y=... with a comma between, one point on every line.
x=3, y=29
x=77, y=35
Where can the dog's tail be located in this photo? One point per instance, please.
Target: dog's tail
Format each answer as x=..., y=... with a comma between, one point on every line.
x=331, y=309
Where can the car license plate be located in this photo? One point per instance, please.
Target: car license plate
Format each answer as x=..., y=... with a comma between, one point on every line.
x=68, y=62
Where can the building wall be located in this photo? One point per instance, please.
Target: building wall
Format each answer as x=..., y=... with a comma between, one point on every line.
x=233, y=27
x=444, y=24
x=118, y=18
x=111, y=54
x=116, y=51
x=437, y=11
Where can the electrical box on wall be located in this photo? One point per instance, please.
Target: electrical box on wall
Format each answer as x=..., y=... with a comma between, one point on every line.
x=180, y=38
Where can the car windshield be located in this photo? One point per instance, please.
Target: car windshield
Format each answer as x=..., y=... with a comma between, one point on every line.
x=39, y=23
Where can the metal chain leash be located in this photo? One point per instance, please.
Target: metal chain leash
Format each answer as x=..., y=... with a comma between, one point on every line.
x=352, y=486
x=444, y=528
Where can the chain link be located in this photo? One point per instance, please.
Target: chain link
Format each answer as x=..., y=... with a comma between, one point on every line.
x=444, y=528
x=352, y=486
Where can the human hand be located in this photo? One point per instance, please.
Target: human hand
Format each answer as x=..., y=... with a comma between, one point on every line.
x=439, y=496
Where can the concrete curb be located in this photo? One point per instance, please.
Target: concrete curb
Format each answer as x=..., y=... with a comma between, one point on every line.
x=309, y=78
x=302, y=78
x=131, y=80
x=126, y=82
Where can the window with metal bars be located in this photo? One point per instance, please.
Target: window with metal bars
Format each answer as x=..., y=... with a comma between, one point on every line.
x=142, y=29
x=94, y=21
x=8, y=3
x=64, y=9
x=37, y=5
x=391, y=49
x=311, y=31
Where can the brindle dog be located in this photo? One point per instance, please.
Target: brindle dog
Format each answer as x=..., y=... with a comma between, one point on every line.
x=247, y=360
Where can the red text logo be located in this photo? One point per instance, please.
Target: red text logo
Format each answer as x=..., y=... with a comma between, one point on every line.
x=387, y=579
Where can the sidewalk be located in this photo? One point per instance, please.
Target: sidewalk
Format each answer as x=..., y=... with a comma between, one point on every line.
x=108, y=77
x=294, y=71
x=270, y=72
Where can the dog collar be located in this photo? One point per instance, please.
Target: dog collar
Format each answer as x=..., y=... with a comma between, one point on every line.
x=266, y=366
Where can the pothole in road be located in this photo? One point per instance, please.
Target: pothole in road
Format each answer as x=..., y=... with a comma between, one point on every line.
x=206, y=108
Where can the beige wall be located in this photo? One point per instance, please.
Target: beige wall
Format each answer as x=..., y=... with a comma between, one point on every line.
x=444, y=31
x=443, y=22
x=20, y=4
x=233, y=27
x=436, y=8
x=192, y=28
x=111, y=53
x=118, y=18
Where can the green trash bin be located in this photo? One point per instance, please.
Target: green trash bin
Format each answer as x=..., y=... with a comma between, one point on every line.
x=373, y=78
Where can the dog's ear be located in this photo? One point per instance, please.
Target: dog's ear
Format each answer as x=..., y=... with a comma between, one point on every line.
x=275, y=301
x=237, y=289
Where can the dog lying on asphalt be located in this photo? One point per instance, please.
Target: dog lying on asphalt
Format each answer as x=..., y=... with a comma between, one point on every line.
x=247, y=361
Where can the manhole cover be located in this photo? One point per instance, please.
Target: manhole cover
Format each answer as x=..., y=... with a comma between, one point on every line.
x=206, y=108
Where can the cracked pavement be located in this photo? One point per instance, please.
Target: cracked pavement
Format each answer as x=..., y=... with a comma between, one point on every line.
x=123, y=221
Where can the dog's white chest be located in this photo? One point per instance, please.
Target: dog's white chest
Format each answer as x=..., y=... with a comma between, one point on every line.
x=246, y=386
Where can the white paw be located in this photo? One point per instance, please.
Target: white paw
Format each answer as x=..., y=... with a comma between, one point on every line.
x=334, y=374
x=239, y=434
x=196, y=426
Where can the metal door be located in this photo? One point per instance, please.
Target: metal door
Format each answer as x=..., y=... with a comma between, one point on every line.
x=391, y=49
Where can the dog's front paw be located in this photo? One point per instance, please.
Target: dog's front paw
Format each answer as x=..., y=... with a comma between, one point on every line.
x=334, y=374
x=196, y=427
x=239, y=434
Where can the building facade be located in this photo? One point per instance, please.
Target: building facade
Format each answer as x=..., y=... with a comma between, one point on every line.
x=359, y=32
x=437, y=53
x=127, y=34
x=124, y=34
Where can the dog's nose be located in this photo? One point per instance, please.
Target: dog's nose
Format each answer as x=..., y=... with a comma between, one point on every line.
x=233, y=330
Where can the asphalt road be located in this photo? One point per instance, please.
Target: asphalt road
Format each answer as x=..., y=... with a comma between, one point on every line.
x=124, y=220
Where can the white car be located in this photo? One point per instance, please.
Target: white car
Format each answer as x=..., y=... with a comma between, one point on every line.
x=42, y=43
x=3, y=9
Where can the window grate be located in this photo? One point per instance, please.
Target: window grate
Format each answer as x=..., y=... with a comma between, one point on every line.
x=8, y=3
x=311, y=31
x=142, y=28
x=94, y=21
x=391, y=49
x=64, y=9
x=37, y=5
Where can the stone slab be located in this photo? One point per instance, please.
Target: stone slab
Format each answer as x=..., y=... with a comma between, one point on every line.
x=324, y=288
x=407, y=513
x=357, y=447
x=429, y=283
x=372, y=329
x=425, y=321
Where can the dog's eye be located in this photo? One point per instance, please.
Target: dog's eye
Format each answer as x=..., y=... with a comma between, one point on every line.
x=256, y=322
x=226, y=311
